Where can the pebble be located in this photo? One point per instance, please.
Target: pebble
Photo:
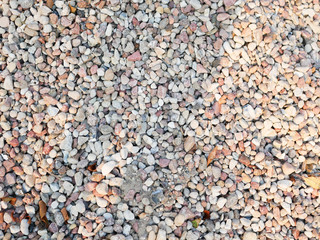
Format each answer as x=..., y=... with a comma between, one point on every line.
x=162, y=235
x=259, y=157
x=189, y=143
x=250, y=235
x=108, y=167
x=179, y=220
x=195, y=4
x=128, y=215
x=136, y=56
x=24, y=227
x=8, y=83
x=287, y=168
x=4, y=22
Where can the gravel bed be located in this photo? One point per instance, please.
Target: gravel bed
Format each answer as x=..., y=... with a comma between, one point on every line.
x=141, y=119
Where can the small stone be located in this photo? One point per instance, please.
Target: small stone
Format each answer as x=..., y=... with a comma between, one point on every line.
x=4, y=22
x=81, y=208
x=136, y=56
x=10, y=178
x=8, y=83
x=195, y=4
x=102, y=188
x=128, y=215
x=287, y=168
x=244, y=160
x=74, y=95
x=66, y=144
x=109, y=75
x=179, y=220
x=189, y=143
x=290, y=111
x=201, y=69
x=25, y=3
x=232, y=200
x=222, y=16
x=259, y=157
x=250, y=236
x=108, y=167
x=284, y=184
x=229, y=3
x=298, y=119
x=163, y=162
x=162, y=91
x=216, y=172
x=221, y=202
x=101, y=202
x=248, y=112
x=59, y=219
x=65, y=22
x=24, y=227
x=162, y=235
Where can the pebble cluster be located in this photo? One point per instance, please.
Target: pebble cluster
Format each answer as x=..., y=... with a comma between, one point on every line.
x=109, y=110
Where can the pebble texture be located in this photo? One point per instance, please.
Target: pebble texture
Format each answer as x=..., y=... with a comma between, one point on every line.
x=110, y=109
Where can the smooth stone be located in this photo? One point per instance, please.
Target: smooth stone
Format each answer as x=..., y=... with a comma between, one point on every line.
x=287, y=168
x=4, y=22
x=179, y=220
x=128, y=215
x=250, y=236
x=108, y=167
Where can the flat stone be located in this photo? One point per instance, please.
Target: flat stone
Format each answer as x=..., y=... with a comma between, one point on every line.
x=195, y=4
x=4, y=22
x=250, y=236
x=179, y=220
x=189, y=143
x=74, y=95
x=222, y=16
x=24, y=227
x=162, y=92
x=287, y=168
x=8, y=83
x=108, y=167
x=259, y=157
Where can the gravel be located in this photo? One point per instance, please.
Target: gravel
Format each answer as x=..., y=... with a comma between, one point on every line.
x=159, y=120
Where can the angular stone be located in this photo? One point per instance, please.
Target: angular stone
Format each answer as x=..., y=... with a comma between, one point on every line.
x=136, y=56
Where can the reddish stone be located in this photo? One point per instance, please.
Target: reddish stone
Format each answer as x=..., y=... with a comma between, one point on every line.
x=82, y=72
x=229, y=3
x=193, y=27
x=130, y=195
x=75, y=30
x=14, y=142
x=163, y=162
x=136, y=56
x=10, y=178
x=47, y=148
x=38, y=117
x=94, y=69
x=49, y=100
x=244, y=160
x=135, y=22
x=117, y=129
x=184, y=37
x=18, y=170
x=89, y=187
x=201, y=69
x=222, y=16
x=263, y=210
x=65, y=22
